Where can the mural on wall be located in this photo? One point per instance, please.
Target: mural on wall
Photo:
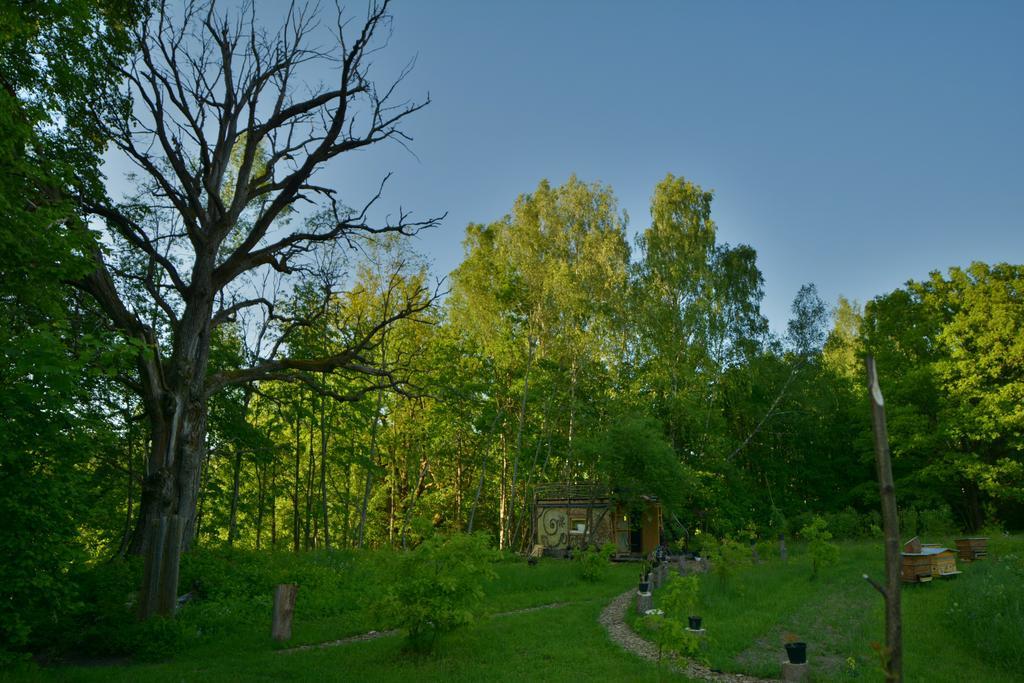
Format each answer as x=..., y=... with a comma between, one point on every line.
x=553, y=527
x=559, y=527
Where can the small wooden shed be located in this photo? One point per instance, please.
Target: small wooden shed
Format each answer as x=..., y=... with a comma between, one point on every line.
x=922, y=562
x=971, y=549
x=569, y=516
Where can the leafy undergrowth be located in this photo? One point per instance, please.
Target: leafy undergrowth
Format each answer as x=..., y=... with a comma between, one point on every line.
x=965, y=628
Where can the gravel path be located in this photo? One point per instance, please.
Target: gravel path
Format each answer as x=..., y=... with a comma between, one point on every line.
x=613, y=620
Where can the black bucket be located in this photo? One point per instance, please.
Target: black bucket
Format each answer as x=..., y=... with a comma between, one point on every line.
x=797, y=653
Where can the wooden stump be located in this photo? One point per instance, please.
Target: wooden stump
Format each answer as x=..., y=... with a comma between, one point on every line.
x=643, y=602
x=794, y=672
x=284, y=608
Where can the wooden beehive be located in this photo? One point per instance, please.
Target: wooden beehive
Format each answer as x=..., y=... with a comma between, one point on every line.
x=943, y=562
x=916, y=568
x=971, y=549
x=922, y=562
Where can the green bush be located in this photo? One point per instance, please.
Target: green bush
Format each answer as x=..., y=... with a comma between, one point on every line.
x=988, y=611
x=677, y=602
x=437, y=586
x=937, y=522
x=100, y=624
x=767, y=550
x=778, y=522
x=823, y=552
x=228, y=586
x=909, y=522
x=155, y=639
x=727, y=557
x=846, y=524
x=592, y=564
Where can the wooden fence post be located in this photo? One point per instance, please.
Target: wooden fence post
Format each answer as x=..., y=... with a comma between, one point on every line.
x=284, y=608
x=890, y=521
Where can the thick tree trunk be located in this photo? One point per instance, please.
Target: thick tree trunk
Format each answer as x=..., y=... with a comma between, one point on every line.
x=167, y=515
x=175, y=401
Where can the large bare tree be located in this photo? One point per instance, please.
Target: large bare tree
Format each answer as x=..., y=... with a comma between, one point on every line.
x=228, y=131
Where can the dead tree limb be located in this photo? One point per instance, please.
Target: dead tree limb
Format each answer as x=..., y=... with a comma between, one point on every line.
x=890, y=521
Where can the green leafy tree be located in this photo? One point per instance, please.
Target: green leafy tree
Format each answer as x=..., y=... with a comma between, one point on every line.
x=541, y=294
x=56, y=60
x=950, y=355
x=438, y=586
x=824, y=553
x=677, y=601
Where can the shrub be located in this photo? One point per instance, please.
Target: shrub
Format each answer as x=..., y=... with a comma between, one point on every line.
x=698, y=541
x=592, y=564
x=937, y=521
x=909, y=522
x=823, y=552
x=778, y=522
x=846, y=524
x=766, y=549
x=437, y=586
x=727, y=557
x=677, y=602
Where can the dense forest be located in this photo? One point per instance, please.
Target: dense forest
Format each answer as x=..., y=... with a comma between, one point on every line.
x=237, y=351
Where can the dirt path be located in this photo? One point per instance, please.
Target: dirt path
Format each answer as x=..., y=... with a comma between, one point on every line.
x=374, y=635
x=613, y=620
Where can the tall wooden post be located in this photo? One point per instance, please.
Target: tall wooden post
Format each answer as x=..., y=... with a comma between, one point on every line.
x=890, y=521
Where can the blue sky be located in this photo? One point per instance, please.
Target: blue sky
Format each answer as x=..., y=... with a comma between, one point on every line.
x=853, y=145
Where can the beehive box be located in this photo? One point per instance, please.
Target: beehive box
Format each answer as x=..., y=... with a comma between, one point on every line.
x=920, y=562
x=943, y=561
x=971, y=549
x=916, y=568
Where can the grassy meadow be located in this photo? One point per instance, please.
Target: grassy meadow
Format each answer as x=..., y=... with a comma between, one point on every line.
x=965, y=629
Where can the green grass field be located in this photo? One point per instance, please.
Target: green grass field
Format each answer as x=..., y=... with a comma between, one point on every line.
x=838, y=614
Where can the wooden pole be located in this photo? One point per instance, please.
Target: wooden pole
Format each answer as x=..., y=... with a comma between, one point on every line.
x=890, y=521
x=284, y=608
